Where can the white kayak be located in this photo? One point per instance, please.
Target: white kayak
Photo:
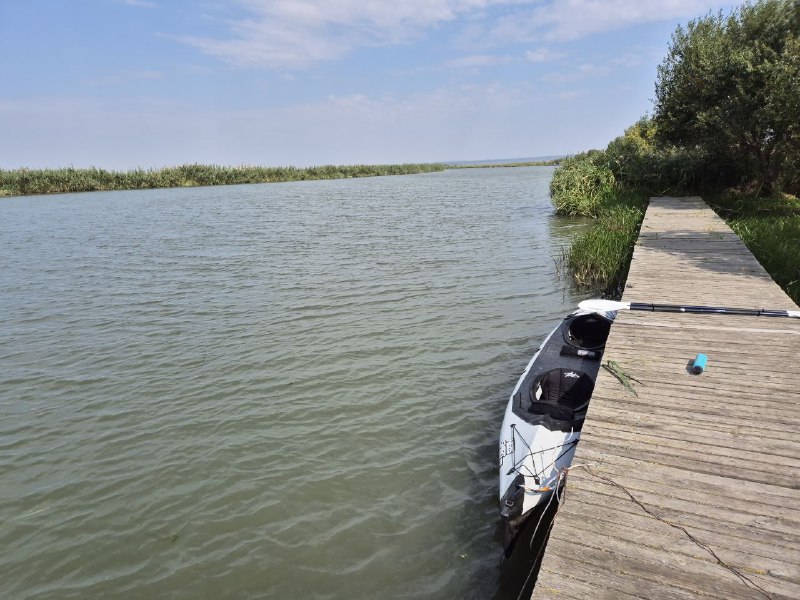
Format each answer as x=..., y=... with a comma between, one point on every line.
x=543, y=420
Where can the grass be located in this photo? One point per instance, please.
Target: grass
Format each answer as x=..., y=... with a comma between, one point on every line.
x=581, y=187
x=598, y=259
x=770, y=228
x=21, y=182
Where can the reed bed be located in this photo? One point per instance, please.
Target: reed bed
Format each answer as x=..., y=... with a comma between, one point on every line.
x=21, y=182
x=599, y=258
x=531, y=163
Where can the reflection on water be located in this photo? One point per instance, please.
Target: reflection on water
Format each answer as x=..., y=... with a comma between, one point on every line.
x=285, y=390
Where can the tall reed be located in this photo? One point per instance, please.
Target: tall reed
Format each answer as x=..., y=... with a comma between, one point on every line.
x=598, y=258
x=22, y=182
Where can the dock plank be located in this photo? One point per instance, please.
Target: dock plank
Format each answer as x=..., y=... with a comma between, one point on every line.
x=691, y=487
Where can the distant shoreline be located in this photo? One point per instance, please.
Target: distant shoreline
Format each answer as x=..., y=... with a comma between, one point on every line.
x=488, y=165
x=27, y=182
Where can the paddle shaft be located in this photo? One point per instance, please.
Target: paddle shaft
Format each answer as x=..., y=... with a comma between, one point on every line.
x=721, y=310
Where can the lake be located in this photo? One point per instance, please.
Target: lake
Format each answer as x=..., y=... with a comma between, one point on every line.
x=289, y=390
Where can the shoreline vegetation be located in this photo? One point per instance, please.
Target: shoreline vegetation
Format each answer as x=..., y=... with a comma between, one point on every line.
x=488, y=165
x=24, y=182
x=27, y=182
x=747, y=170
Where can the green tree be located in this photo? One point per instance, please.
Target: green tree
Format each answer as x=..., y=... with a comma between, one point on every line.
x=730, y=87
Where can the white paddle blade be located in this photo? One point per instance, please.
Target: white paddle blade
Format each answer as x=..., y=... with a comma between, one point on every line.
x=599, y=305
x=794, y=313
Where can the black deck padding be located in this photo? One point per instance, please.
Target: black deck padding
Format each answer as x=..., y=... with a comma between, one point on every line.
x=569, y=413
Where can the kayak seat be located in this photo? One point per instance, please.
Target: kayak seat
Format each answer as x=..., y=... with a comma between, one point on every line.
x=562, y=395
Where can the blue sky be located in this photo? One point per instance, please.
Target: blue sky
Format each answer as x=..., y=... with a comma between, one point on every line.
x=147, y=83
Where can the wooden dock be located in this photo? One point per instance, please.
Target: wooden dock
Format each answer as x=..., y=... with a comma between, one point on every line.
x=691, y=489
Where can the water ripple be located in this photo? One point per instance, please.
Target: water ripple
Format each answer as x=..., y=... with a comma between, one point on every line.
x=285, y=390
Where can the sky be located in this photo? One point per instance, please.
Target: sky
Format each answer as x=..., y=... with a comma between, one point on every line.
x=123, y=84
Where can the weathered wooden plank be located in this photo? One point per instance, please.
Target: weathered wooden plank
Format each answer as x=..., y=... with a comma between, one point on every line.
x=632, y=520
x=656, y=574
x=689, y=444
x=712, y=458
x=637, y=533
x=714, y=390
x=615, y=465
x=622, y=422
x=681, y=507
x=604, y=585
x=697, y=466
x=730, y=347
x=743, y=405
x=687, y=409
x=777, y=327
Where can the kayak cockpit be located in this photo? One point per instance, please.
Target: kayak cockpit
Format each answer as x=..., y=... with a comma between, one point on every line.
x=587, y=332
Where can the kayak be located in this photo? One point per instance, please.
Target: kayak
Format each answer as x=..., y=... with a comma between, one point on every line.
x=545, y=414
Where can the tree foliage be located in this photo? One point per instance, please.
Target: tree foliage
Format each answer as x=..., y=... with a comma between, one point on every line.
x=730, y=88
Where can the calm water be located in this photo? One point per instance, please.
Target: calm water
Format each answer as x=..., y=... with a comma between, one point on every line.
x=283, y=391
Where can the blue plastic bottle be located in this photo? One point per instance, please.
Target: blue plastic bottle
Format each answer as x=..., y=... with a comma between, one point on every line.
x=699, y=364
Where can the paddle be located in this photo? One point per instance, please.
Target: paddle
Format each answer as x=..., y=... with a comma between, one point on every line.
x=599, y=305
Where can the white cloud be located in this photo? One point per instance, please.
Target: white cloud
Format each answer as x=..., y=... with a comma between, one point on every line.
x=298, y=33
x=125, y=76
x=564, y=20
x=267, y=45
x=589, y=69
x=631, y=59
x=542, y=55
x=140, y=3
x=577, y=73
x=569, y=94
x=477, y=61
